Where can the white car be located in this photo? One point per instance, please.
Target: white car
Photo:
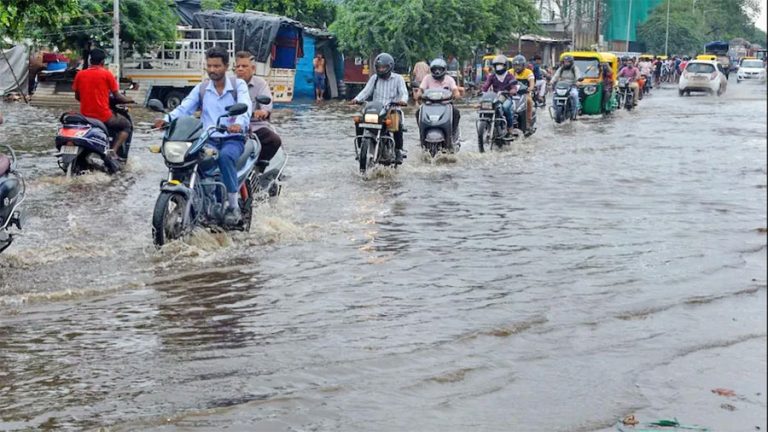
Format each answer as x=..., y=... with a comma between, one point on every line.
x=751, y=70
x=702, y=76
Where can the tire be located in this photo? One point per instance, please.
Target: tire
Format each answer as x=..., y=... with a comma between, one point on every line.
x=164, y=227
x=173, y=99
x=629, y=104
x=69, y=170
x=364, y=157
x=481, y=136
x=680, y=93
x=559, y=114
x=247, y=212
x=433, y=149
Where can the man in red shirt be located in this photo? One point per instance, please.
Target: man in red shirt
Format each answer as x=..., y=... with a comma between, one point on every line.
x=93, y=87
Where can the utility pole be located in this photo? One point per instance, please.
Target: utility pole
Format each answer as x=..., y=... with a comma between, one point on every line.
x=116, y=37
x=597, y=23
x=629, y=21
x=666, y=38
x=572, y=12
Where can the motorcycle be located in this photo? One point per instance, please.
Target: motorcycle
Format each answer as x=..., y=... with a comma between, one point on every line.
x=491, y=124
x=562, y=107
x=436, y=128
x=374, y=143
x=12, y=192
x=646, y=85
x=82, y=143
x=625, y=94
x=193, y=194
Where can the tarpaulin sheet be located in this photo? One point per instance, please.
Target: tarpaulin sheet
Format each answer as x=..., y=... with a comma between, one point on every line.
x=254, y=32
x=626, y=14
x=18, y=58
x=186, y=10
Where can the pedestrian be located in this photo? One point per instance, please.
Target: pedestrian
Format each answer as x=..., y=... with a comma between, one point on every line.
x=319, y=65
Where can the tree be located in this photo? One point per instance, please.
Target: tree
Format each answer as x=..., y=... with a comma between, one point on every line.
x=318, y=13
x=691, y=27
x=143, y=24
x=16, y=16
x=419, y=29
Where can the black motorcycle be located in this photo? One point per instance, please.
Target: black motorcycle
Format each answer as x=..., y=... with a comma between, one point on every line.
x=12, y=190
x=625, y=94
x=193, y=194
x=437, y=133
x=374, y=142
x=491, y=124
x=82, y=143
x=562, y=107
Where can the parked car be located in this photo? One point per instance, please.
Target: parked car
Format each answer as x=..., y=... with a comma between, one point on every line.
x=752, y=70
x=702, y=76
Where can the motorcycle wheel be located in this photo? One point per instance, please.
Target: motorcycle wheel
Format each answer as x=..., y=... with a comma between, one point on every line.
x=247, y=212
x=433, y=148
x=559, y=114
x=629, y=104
x=168, y=218
x=481, y=136
x=364, y=159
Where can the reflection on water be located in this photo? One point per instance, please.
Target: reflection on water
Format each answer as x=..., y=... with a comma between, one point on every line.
x=470, y=292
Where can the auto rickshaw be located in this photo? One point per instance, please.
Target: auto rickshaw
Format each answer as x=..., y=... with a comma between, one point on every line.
x=591, y=88
x=706, y=57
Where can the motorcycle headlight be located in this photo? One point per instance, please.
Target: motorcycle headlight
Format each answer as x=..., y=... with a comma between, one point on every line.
x=486, y=105
x=174, y=151
x=371, y=118
x=590, y=90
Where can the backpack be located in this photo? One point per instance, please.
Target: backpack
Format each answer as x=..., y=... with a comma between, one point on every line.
x=204, y=87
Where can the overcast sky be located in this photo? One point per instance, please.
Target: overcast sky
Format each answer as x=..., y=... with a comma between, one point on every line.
x=761, y=21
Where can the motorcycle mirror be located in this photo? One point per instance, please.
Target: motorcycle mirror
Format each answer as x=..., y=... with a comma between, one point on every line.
x=155, y=105
x=237, y=109
x=264, y=100
x=580, y=79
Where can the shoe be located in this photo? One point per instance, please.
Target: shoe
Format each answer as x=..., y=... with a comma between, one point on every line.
x=398, y=157
x=232, y=216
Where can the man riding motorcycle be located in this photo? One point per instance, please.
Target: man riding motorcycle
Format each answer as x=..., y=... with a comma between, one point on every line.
x=212, y=97
x=499, y=81
x=570, y=74
x=257, y=86
x=629, y=71
x=93, y=88
x=541, y=80
x=525, y=75
x=439, y=80
x=646, y=70
x=386, y=87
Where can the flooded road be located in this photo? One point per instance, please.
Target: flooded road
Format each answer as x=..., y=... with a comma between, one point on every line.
x=595, y=270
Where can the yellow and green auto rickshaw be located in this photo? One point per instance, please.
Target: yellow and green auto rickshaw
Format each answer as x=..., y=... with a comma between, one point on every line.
x=591, y=88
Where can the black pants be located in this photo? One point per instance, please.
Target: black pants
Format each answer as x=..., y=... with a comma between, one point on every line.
x=270, y=142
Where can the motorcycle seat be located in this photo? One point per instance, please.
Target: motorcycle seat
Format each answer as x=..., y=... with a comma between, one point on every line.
x=5, y=165
x=77, y=118
x=247, y=152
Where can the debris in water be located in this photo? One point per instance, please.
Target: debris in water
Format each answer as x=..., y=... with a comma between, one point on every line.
x=724, y=392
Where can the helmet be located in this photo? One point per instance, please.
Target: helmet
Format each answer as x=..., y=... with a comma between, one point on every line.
x=625, y=59
x=569, y=59
x=518, y=61
x=438, y=68
x=384, y=63
x=499, y=64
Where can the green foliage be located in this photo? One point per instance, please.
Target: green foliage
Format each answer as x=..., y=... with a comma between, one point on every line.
x=18, y=15
x=423, y=29
x=690, y=28
x=318, y=13
x=143, y=23
x=210, y=5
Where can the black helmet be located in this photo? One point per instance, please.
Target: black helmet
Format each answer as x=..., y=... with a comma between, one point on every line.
x=625, y=59
x=518, y=61
x=384, y=64
x=438, y=68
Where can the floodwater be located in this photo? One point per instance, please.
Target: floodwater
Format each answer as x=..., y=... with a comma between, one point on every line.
x=595, y=270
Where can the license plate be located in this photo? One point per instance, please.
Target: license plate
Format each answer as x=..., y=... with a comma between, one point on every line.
x=69, y=150
x=370, y=125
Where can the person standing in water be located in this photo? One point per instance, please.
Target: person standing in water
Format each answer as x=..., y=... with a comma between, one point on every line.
x=319, y=65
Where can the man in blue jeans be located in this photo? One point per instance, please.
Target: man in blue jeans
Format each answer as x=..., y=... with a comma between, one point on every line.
x=212, y=97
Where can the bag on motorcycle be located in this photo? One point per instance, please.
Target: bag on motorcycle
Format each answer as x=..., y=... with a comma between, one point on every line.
x=394, y=116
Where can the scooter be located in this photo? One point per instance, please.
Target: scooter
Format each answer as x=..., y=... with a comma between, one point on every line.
x=12, y=192
x=82, y=143
x=437, y=132
x=519, y=107
x=193, y=194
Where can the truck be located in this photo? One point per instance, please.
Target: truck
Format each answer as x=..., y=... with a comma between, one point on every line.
x=720, y=50
x=173, y=69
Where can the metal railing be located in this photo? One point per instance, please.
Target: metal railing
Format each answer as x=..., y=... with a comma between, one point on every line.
x=186, y=53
